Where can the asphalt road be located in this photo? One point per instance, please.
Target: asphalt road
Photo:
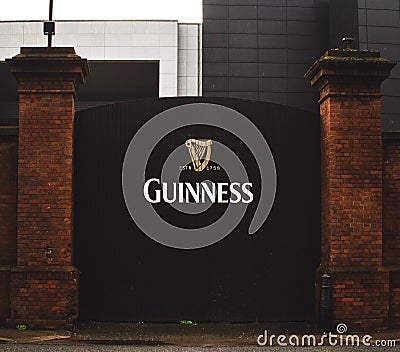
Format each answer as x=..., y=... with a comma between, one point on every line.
x=101, y=348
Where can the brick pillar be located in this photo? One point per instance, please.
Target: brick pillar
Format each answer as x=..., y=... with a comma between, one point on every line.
x=351, y=190
x=44, y=284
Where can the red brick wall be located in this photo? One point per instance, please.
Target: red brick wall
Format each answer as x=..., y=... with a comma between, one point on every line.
x=352, y=210
x=44, y=298
x=360, y=299
x=351, y=179
x=8, y=199
x=45, y=174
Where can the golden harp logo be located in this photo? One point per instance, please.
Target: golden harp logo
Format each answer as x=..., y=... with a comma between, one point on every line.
x=200, y=153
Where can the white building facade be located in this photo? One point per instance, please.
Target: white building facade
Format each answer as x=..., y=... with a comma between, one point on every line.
x=176, y=46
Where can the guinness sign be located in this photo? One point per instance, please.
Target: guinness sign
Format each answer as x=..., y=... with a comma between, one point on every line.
x=212, y=177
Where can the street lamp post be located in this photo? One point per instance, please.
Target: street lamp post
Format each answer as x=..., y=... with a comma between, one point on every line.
x=49, y=26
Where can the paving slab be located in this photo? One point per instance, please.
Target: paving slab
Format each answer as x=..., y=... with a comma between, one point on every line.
x=28, y=336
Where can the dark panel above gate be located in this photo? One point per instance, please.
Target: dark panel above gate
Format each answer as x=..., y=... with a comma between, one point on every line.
x=120, y=80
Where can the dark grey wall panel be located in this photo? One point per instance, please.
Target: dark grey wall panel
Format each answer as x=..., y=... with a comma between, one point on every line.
x=301, y=3
x=243, y=41
x=384, y=18
x=301, y=14
x=243, y=12
x=362, y=36
x=391, y=87
x=272, y=41
x=303, y=42
x=388, y=35
x=271, y=3
x=272, y=70
x=388, y=51
x=215, y=70
x=379, y=29
x=272, y=13
x=272, y=56
x=264, y=38
x=216, y=26
x=382, y=4
x=390, y=104
x=215, y=11
x=243, y=26
x=216, y=84
x=272, y=27
x=390, y=122
x=303, y=56
x=243, y=69
x=395, y=72
x=215, y=55
x=343, y=21
x=303, y=27
x=242, y=55
x=215, y=40
x=298, y=85
x=214, y=2
x=273, y=85
x=297, y=70
x=362, y=17
x=240, y=84
x=243, y=3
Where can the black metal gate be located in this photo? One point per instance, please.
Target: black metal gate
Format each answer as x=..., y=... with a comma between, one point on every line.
x=126, y=276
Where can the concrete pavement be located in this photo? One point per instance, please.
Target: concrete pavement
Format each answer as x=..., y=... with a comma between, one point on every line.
x=171, y=337
x=203, y=334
